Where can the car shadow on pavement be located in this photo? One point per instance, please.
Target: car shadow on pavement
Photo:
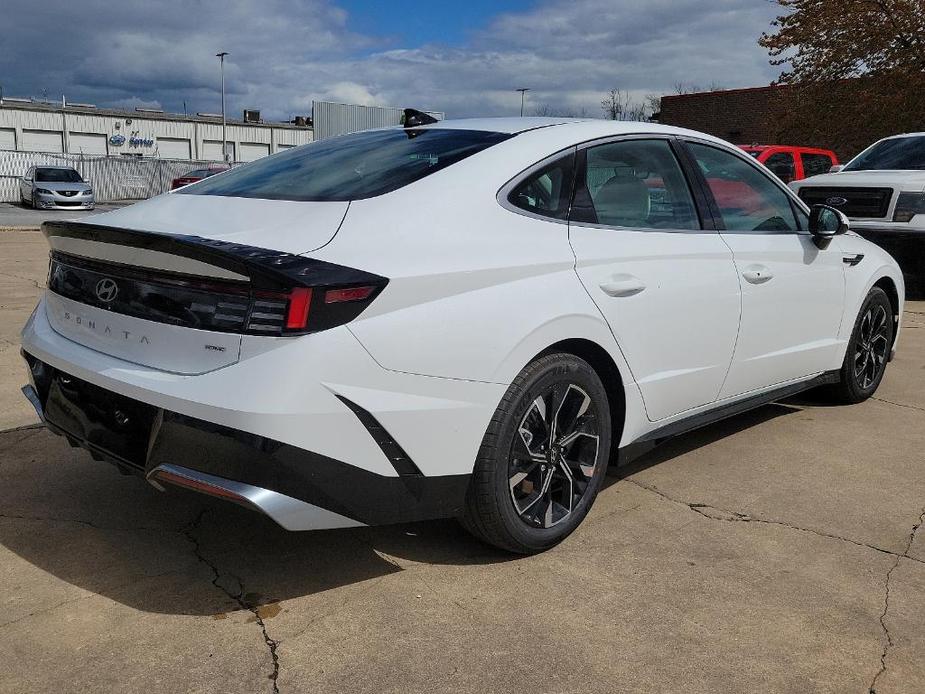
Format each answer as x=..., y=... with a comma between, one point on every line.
x=181, y=553
x=703, y=437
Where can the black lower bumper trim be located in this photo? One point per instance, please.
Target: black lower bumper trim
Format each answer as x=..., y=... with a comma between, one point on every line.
x=138, y=437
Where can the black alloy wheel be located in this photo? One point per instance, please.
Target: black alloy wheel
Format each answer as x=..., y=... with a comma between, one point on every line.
x=543, y=458
x=868, y=350
x=554, y=455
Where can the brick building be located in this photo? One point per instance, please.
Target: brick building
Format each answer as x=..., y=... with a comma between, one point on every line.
x=742, y=116
x=843, y=116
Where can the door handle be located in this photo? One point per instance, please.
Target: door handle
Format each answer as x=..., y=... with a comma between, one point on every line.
x=757, y=274
x=622, y=285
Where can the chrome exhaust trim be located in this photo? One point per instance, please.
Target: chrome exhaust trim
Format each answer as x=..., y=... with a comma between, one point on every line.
x=290, y=513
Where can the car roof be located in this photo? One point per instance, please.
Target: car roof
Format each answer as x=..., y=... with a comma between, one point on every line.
x=582, y=128
x=54, y=166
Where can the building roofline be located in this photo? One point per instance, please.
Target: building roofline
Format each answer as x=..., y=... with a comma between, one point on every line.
x=741, y=90
x=37, y=106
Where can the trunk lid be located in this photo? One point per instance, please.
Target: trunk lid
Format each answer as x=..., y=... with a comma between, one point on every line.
x=284, y=225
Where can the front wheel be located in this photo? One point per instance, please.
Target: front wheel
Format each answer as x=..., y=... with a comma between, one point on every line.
x=543, y=458
x=868, y=350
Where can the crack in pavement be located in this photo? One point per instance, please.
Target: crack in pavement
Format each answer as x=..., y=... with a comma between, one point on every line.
x=238, y=597
x=899, y=404
x=888, y=644
x=91, y=524
x=736, y=517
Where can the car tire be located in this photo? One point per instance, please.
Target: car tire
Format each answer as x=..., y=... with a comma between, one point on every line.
x=24, y=202
x=543, y=458
x=868, y=350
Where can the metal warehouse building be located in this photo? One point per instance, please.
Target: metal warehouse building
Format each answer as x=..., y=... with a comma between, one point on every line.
x=28, y=126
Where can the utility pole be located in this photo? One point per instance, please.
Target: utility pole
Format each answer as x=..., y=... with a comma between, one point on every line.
x=221, y=57
x=523, y=91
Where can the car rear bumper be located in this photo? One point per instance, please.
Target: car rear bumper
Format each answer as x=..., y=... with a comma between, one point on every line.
x=296, y=428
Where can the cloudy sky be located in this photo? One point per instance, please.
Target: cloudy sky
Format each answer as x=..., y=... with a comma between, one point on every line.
x=464, y=58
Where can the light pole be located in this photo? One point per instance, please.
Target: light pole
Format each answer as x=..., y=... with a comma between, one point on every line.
x=523, y=91
x=221, y=57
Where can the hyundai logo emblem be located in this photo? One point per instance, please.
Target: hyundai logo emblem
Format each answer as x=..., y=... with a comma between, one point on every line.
x=106, y=290
x=836, y=201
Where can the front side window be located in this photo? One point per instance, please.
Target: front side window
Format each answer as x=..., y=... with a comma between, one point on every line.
x=57, y=176
x=350, y=167
x=748, y=200
x=815, y=164
x=782, y=165
x=898, y=154
x=634, y=183
x=548, y=191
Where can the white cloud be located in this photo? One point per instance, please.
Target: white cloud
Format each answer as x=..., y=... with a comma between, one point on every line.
x=284, y=54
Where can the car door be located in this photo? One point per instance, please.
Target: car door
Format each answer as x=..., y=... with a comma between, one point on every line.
x=792, y=292
x=664, y=280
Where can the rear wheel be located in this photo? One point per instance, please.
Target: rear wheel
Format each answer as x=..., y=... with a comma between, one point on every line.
x=543, y=458
x=868, y=350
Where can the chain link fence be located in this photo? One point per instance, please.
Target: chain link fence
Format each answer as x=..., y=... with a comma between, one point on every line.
x=112, y=177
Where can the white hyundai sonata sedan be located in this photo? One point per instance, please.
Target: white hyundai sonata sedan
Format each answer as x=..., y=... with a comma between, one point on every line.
x=466, y=319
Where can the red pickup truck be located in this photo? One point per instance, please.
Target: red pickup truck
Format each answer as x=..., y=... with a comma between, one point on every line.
x=793, y=163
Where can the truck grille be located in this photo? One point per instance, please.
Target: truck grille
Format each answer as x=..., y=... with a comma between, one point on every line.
x=870, y=203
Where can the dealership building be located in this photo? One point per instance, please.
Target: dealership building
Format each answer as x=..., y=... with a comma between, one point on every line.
x=30, y=126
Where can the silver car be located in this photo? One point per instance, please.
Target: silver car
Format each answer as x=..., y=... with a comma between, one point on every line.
x=50, y=187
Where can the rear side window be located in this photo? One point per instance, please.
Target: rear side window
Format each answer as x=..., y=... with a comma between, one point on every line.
x=351, y=167
x=548, y=191
x=815, y=164
x=635, y=183
x=782, y=165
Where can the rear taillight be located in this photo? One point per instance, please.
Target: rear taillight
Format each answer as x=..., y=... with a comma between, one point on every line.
x=285, y=295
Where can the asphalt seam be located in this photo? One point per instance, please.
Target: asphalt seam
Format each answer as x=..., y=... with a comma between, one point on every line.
x=90, y=524
x=189, y=532
x=888, y=642
x=736, y=517
x=899, y=404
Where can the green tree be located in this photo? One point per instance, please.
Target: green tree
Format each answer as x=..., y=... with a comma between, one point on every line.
x=857, y=68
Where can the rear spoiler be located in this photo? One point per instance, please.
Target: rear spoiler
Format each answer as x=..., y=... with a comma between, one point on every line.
x=264, y=268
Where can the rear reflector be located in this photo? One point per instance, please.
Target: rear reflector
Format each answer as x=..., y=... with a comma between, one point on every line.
x=334, y=296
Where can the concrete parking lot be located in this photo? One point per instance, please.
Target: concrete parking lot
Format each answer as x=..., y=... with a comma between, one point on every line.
x=16, y=215
x=773, y=552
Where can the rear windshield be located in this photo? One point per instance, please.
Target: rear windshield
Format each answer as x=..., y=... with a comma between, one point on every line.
x=903, y=153
x=351, y=167
x=57, y=176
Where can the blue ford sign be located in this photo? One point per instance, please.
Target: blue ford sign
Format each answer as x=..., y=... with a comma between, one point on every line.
x=135, y=141
x=117, y=140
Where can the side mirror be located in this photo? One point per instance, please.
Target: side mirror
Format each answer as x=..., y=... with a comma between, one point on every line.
x=27, y=179
x=826, y=222
x=836, y=168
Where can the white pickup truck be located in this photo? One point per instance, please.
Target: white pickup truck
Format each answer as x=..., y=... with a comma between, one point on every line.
x=882, y=190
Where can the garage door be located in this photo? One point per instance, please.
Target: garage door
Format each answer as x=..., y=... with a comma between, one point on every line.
x=254, y=150
x=42, y=141
x=212, y=150
x=7, y=138
x=173, y=148
x=87, y=143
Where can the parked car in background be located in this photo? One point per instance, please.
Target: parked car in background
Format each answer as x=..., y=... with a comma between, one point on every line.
x=197, y=175
x=50, y=187
x=793, y=163
x=882, y=190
